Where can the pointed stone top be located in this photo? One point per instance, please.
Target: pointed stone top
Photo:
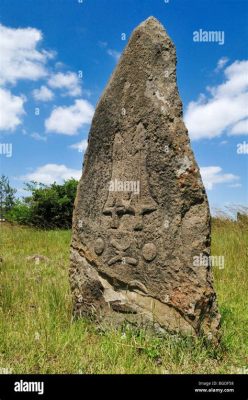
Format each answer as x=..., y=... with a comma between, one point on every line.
x=150, y=20
x=152, y=26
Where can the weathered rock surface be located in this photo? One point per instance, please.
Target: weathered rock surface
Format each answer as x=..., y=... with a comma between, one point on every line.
x=141, y=212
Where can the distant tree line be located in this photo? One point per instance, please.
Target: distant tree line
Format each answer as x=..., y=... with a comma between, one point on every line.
x=45, y=206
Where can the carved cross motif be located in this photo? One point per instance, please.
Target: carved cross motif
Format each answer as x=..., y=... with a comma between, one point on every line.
x=121, y=207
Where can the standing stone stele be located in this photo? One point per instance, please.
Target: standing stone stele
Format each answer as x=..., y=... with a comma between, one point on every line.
x=141, y=213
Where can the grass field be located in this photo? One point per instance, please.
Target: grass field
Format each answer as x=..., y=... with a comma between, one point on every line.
x=38, y=334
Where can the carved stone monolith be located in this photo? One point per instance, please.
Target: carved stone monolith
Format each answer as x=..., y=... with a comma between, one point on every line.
x=141, y=224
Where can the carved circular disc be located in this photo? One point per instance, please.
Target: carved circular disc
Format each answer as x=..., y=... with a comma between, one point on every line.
x=149, y=251
x=99, y=246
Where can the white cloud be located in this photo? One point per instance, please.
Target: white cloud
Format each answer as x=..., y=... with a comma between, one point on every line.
x=68, y=81
x=68, y=120
x=37, y=136
x=113, y=53
x=80, y=146
x=221, y=63
x=237, y=80
x=59, y=64
x=212, y=176
x=226, y=106
x=43, y=94
x=241, y=128
x=50, y=173
x=20, y=58
x=11, y=110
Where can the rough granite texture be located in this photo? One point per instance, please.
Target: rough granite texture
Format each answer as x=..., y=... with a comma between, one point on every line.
x=132, y=250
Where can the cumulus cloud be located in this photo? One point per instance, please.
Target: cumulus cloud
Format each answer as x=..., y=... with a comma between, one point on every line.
x=214, y=175
x=68, y=120
x=224, y=108
x=11, y=110
x=43, y=94
x=80, y=146
x=66, y=81
x=20, y=57
x=241, y=128
x=50, y=173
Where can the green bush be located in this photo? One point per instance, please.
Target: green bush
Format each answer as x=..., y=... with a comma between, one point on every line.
x=20, y=213
x=47, y=207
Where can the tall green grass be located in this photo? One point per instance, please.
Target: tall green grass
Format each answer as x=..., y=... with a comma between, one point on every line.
x=38, y=334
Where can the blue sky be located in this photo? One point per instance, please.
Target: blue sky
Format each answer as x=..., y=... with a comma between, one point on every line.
x=57, y=56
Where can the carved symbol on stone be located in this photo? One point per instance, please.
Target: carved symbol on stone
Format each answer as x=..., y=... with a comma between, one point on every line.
x=119, y=208
x=126, y=209
x=121, y=256
x=129, y=166
x=116, y=211
x=99, y=246
x=149, y=251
